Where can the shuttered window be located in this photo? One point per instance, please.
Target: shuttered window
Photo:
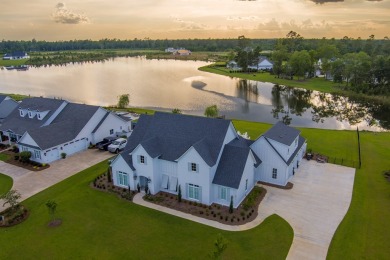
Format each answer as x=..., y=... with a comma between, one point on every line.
x=122, y=178
x=193, y=167
x=193, y=191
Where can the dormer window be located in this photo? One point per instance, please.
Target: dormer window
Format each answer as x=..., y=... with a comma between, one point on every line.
x=21, y=113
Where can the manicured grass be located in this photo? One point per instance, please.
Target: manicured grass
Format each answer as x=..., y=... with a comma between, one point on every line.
x=4, y=157
x=364, y=232
x=319, y=84
x=5, y=183
x=12, y=62
x=98, y=225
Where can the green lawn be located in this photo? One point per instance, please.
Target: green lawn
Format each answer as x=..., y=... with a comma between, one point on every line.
x=5, y=183
x=12, y=62
x=16, y=97
x=364, y=232
x=97, y=225
x=4, y=157
x=319, y=84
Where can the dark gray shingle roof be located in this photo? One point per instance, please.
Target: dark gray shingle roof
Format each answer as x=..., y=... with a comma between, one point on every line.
x=177, y=133
x=301, y=141
x=282, y=133
x=231, y=166
x=20, y=125
x=2, y=97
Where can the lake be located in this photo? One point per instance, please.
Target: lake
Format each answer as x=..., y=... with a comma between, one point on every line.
x=168, y=84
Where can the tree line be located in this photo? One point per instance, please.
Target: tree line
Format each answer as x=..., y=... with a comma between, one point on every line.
x=362, y=68
x=294, y=43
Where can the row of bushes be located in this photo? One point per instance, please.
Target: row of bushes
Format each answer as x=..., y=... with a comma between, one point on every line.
x=25, y=156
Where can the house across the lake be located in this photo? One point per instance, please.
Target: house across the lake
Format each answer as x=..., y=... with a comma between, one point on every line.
x=205, y=158
x=49, y=127
x=182, y=52
x=263, y=63
x=16, y=55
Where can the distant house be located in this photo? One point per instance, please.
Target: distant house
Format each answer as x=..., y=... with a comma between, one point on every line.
x=263, y=63
x=170, y=49
x=17, y=55
x=233, y=65
x=48, y=127
x=205, y=157
x=7, y=105
x=182, y=52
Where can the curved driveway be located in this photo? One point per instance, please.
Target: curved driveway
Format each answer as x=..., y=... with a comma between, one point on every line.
x=314, y=207
x=29, y=183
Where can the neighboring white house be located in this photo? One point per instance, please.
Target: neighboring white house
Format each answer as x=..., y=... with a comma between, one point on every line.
x=170, y=49
x=17, y=55
x=205, y=157
x=263, y=63
x=7, y=105
x=48, y=127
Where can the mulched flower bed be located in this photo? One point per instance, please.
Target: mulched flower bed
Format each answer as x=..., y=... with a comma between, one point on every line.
x=12, y=218
x=246, y=212
x=101, y=183
x=4, y=146
x=32, y=166
x=288, y=186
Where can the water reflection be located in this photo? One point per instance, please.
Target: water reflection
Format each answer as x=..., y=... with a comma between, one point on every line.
x=168, y=84
x=290, y=103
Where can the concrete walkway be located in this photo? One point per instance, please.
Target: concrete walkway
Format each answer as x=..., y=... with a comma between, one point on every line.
x=29, y=183
x=314, y=207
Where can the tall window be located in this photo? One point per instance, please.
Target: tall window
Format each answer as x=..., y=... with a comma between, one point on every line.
x=37, y=154
x=193, y=167
x=222, y=193
x=142, y=159
x=193, y=192
x=274, y=173
x=111, y=131
x=122, y=178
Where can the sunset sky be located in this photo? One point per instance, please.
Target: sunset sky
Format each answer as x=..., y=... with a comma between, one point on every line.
x=160, y=19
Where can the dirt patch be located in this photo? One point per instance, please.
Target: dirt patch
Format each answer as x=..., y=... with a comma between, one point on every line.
x=14, y=217
x=245, y=212
x=55, y=223
x=31, y=165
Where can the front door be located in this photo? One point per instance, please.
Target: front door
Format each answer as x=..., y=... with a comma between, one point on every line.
x=142, y=182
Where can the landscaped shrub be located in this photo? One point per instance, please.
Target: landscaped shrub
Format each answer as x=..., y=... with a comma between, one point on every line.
x=63, y=155
x=16, y=157
x=25, y=156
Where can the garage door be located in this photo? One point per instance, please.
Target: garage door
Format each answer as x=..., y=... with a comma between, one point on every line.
x=77, y=146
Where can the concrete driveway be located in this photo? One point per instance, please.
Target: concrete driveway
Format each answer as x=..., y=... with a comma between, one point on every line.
x=314, y=207
x=29, y=183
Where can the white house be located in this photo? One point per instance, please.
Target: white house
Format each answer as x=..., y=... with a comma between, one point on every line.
x=16, y=55
x=182, y=52
x=48, y=127
x=205, y=157
x=262, y=64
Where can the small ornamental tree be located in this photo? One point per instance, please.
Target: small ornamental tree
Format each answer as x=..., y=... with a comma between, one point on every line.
x=220, y=245
x=12, y=198
x=109, y=178
x=25, y=156
x=52, y=207
x=176, y=111
x=231, y=205
x=211, y=111
x=146, y=188
x=123, y=100
x=179, y=194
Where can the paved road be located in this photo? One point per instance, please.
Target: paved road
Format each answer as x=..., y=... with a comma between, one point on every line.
x=29, y=183
x=314, y=207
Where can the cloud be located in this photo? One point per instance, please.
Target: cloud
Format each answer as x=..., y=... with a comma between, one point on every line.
x=190, y=25
x=66, y=16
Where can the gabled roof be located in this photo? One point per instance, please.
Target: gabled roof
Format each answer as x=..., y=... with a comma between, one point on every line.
x=19, y=125
x=282, y=133
x=231, y=166
x=174, y=134
x=301, y=141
